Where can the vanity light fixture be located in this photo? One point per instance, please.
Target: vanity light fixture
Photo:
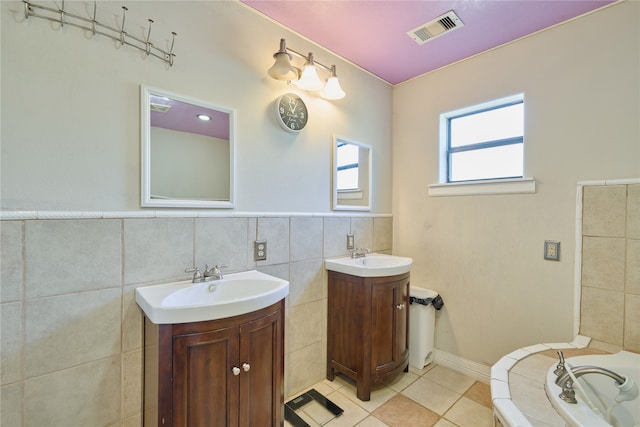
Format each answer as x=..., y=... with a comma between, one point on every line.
x=307, y=78
x=204, y=117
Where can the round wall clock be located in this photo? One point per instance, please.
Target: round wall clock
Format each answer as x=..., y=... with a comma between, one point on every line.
x=291, y=112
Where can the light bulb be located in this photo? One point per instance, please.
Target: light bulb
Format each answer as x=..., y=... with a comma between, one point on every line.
x=333, y=90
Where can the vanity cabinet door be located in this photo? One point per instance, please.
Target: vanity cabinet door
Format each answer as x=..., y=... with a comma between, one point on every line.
x=367, y=328
x=219, y=373
x=262, y=364
x=205, y=389
x=389, y=312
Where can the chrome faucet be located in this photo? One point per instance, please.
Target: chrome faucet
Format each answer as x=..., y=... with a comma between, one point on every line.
x=560, y=369
x=360, y=253
x=208, y=275
x=566, y=382
x=213, y=273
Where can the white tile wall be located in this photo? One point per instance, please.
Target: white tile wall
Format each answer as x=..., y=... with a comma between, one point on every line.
x=71, y=336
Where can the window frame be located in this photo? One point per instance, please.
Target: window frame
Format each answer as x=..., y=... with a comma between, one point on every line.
x=506, y=185
x=471, y=111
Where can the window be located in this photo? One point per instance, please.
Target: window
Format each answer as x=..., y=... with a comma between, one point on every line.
x=483, y=142
x=347, y=166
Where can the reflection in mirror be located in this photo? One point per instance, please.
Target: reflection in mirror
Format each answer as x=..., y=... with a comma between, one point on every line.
x=351, y=175
x=187, y=152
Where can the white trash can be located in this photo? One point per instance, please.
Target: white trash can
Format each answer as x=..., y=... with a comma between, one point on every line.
x=422, y=319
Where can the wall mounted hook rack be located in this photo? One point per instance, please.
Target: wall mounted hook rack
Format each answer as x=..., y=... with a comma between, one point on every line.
x=63, y=17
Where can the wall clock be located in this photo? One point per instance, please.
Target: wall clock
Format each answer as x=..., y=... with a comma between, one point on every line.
x=291, y=112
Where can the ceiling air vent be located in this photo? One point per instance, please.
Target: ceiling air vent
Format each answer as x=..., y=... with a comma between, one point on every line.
x=160, y=108
x=435, y=28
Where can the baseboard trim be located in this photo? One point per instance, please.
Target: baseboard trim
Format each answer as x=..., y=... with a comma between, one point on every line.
x=470, y=368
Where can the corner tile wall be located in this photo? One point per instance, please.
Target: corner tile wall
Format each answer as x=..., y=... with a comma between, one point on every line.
x=72, y=332
x=610, y=293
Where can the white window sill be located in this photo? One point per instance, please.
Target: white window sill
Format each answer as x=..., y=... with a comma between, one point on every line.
x=356, y=194
x=490, y=186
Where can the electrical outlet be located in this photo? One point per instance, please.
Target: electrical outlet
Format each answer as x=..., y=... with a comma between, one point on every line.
x=260, y=250
x=552, y=250
x=350, y=243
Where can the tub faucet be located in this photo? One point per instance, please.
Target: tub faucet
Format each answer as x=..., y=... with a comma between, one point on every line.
x=359, y=253
x=566, y=381
x=560, y=369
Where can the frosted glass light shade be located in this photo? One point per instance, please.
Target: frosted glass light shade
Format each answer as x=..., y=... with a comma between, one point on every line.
x=332, y=90
x=282, y=68
x=309, y=79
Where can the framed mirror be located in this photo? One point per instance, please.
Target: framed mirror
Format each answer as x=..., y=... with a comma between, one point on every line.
x=351, y=175
x=187, y=152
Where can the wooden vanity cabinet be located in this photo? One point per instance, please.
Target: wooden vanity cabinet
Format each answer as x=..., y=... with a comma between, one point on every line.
x=226, y=372
x=367, y=328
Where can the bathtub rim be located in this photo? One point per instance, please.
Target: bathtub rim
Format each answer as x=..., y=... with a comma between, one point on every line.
x=504, y=409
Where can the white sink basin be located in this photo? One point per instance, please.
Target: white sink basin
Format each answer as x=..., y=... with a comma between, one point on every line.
x=183, y=302
x=373, y=265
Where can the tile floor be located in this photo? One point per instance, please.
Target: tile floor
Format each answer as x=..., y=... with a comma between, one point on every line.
x=432, y=397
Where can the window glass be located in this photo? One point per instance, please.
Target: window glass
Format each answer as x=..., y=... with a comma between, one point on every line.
x=489, y=163
x=485, y=141
x=491, y=125
x=347, y=164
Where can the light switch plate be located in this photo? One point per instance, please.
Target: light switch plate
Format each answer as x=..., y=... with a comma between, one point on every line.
x=552, y=250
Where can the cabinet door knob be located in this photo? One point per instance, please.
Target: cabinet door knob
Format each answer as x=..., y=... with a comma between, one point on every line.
x=400, y=306
x=235, y=370
x=246, y=367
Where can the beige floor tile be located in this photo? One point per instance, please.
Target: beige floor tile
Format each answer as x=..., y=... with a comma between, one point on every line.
x=444, y=423
x=379, y=395
x=480, y=393
x=449, y=378
x=421, y=372
x=372, y=421
x=402, y=412
x=431, y=395
x=467, y=413
x=352, y=414
x=402, y=381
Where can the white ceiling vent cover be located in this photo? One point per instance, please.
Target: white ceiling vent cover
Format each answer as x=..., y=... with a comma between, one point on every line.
x=435, y=28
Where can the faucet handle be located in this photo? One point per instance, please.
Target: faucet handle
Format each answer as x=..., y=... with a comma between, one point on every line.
x=560, y=369
x=196, y=273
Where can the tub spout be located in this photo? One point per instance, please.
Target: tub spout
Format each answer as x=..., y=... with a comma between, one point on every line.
x=566, y=380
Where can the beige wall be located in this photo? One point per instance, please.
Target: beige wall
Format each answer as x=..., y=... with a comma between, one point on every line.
x=71, y=331
x=610, y=293
x=71, y=108
x=484, y=254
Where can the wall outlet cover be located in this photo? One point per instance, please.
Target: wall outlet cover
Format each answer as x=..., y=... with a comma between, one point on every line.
x=350, y=242
x=260, y=250
x=552, y=250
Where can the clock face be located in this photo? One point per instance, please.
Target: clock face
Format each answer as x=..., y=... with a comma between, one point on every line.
x=291, y=112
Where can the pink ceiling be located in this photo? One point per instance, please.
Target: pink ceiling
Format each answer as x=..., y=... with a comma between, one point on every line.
x=372, y=33
x=182, y=117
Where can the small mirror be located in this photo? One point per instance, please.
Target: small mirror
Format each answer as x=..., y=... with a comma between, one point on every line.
x=351, y=175
x=187, y=158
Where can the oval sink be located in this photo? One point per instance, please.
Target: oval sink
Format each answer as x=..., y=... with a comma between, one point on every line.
x=373, y=265
x=237, y=293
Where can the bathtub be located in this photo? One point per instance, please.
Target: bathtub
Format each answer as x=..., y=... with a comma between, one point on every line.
x=600, y=390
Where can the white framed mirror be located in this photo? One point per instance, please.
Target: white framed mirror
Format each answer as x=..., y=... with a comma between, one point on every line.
x=351, y=168
x=187, y=151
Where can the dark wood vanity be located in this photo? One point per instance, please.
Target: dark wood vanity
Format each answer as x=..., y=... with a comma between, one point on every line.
x=226, y=372
x=367, y=328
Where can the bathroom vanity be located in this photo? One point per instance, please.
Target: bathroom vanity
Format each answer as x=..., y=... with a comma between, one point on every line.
x=226, y=372
x=367, y=328
x=214, y=351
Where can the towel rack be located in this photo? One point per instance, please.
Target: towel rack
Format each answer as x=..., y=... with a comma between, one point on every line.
x=63, y=17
